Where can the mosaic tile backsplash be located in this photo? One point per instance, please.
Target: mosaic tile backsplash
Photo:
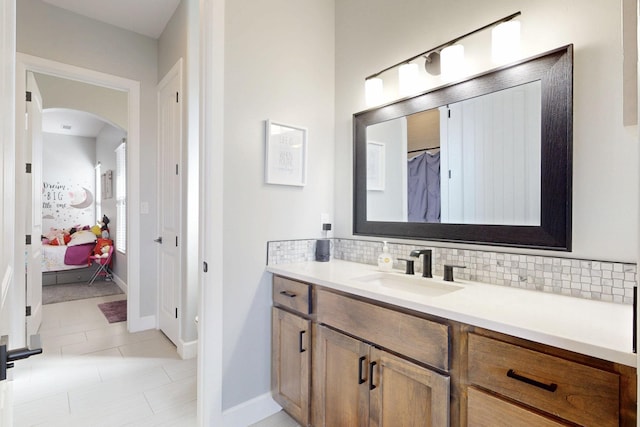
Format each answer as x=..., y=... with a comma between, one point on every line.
x=597, y=280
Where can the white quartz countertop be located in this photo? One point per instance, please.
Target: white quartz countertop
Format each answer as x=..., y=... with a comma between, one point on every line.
x=595, y=328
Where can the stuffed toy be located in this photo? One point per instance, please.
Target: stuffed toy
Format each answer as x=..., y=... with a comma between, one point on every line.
x=105, y=227
x=105, y=251
x=57, y=237
x=100, y=250
x=97, y=230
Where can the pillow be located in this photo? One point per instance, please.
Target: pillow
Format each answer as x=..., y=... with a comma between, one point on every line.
x=82, y=237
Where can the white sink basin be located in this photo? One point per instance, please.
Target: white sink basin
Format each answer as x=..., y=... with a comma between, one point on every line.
x=413, y=284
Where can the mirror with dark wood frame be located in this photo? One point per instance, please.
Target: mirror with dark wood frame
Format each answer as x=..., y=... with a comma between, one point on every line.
x=527, y=108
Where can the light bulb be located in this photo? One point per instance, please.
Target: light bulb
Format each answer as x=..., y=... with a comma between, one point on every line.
x=408, y=79
x=373, y=91
x=452, y=61
x=505, y=42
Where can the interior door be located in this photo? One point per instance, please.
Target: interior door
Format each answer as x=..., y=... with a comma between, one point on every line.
x=7, y=187
x=169, y=202
x=33, y=212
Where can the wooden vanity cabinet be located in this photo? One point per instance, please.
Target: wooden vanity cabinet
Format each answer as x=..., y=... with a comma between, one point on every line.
x=530, y=385
x=342, y=360
x=291, y=347
x=357, y=384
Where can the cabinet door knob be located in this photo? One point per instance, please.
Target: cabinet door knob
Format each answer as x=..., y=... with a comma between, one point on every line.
x=361, y=361
x=371, y=366
x=288, y=294
x=302, y=349
x=549, y=387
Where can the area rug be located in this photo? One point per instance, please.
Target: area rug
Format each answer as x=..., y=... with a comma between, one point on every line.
x=52, y=294
x=114, y=311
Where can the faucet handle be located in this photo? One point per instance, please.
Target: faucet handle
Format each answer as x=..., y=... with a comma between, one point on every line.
x=409, y=269
x=448, y=271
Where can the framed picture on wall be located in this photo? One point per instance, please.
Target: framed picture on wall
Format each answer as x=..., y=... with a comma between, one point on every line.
x=107, y=184
x=285, y=154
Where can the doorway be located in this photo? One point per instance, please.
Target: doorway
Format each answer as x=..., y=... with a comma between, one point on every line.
x=82, y=128
x=132, y=89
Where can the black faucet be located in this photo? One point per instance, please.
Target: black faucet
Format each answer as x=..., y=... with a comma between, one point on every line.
x=426, y=260
x=448, y=272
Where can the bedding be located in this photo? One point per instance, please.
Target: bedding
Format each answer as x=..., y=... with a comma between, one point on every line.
x=67, y=251
x=53, y=259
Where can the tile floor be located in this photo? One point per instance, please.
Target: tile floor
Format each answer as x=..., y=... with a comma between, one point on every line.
x=93, y=373
x=279, y=419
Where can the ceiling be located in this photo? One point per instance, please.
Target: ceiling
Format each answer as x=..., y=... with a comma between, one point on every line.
x=65, y=121
x=147, y=17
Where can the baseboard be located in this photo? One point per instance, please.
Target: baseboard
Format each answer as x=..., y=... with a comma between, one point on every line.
x=121, y=284
x=142, y=324
x=188, y=350
x=250, y=412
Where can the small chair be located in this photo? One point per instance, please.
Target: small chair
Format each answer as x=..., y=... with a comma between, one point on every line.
x=103, y=266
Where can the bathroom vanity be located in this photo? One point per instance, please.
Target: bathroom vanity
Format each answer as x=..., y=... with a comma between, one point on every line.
x=356, y=347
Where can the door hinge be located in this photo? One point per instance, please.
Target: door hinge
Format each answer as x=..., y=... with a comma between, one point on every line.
x=28, y=168
x=205, y=267
x=176, y=241
x=176, y=312
x=28, y=96
x=176, y=169
x=177, y=97
x=27, y=239
x=448, y=113
x=28, y=311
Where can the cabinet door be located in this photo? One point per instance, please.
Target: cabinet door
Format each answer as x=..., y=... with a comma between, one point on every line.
x=405, y=394
x=340, y=380
x=290, y=363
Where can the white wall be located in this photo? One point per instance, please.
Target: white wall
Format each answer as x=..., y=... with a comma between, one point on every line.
x=279, y=65
x=53, y=33
x=107, y=141
x=68, y=176
x=373, y=34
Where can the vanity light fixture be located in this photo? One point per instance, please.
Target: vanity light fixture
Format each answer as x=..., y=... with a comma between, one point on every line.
x=408, y=79
x=432, y=59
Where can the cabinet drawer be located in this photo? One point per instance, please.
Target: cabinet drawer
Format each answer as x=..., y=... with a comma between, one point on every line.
x=570, y=390
x=485, y=410
x=417, y=338
x=292, y=294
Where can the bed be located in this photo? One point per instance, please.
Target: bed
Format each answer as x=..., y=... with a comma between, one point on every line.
x=68, y=263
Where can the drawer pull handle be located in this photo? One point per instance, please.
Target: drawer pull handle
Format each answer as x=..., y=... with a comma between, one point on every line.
x=361, y=379
x=288, y=294
x=549, y=387
x=302, y=349
x=371, y=366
